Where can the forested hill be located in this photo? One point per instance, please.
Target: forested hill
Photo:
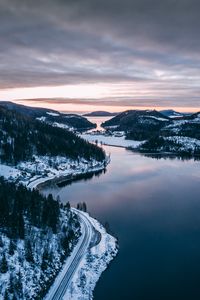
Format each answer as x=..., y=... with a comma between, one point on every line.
x=36, y=235
x=21, y=137
x=50, y=116
x=176, y=133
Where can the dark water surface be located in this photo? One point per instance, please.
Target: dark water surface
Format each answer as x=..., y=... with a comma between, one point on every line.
x=153, y=206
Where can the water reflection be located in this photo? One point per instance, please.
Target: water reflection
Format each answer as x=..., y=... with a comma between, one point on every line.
x=153, y=206
x=79, y=177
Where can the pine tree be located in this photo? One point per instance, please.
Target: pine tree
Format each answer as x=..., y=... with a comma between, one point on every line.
x=1, y=242
x=67, y=206
x=4, y=264
x=18, y=286
x=84, y=207
x=12, y=248
x=29, y=252
x=6, y=297
x=45, y=258
x=21, y=225
x=11, y=284
x=65, y=244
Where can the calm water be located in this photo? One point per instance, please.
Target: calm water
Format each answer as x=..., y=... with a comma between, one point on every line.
x=153, y=206
x=98, y=121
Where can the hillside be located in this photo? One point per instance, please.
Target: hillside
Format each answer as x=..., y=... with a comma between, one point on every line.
x=138, y=125
x=52, y=117
x=36, y=235
x=172, y=113
x=22, y=137
x=161, y=134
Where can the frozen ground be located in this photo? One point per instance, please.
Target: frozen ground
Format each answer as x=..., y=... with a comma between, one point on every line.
x=118, y=141
x=43, y=168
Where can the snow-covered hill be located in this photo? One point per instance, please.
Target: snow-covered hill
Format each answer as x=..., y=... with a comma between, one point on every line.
x=161, y=132
x=49, y=116
x=36, y=235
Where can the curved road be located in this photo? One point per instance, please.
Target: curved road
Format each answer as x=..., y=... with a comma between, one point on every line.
x=63, y=280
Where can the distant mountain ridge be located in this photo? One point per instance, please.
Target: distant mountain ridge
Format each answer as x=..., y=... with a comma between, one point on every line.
x=172, y=113
x=50, y=116
x=100, y=114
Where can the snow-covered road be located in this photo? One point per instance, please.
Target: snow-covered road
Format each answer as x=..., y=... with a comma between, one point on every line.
x=62, y=282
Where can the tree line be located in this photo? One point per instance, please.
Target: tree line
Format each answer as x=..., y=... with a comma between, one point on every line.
x=22, y=136
x=17, y=204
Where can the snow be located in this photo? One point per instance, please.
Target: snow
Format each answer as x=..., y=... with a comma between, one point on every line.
x=186, y=143
x=53, y=114
x=118, y=141
x=31, y=174
x=9, y=172
x=41, y=119
x=175, y=127
x=93, y=264
x=73, y=116
x=197, y=119
x=61, y=125
x=33, y=279
x=55, y=124
x=159, y=119
x=112, y=127
x=44, y=168
x=95, y=259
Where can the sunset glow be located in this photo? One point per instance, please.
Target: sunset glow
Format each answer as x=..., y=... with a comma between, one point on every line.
x=89, y=97
x=133, y=54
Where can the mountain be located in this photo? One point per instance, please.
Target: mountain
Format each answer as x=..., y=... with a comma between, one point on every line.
x=50, y=116
x=127, y=118
x=170, y=113
x=100, y=114
x=37, y=233
x=22, y=137
x=138, y=124
x=160, y=133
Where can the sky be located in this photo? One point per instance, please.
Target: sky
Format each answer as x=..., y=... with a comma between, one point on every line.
x=82, y=55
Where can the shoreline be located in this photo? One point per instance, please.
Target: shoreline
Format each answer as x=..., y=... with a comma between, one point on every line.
x=101, y=250
x=135, y=148
x=69, y=177
x=97, y=257
x=94, y=261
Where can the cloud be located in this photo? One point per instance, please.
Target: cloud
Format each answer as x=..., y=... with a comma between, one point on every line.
x=146, y=45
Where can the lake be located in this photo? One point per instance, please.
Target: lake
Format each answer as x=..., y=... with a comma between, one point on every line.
x=153, y=207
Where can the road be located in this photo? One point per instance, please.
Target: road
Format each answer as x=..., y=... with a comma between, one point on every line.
x=63, y=280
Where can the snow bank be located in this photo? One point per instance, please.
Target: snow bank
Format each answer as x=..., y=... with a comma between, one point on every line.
x=44, y=168
x=94, y=262
x=159, y=119
x=53, y=114
x=118, y=141
x=9, y=172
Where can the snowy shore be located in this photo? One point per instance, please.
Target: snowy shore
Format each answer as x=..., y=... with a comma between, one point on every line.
x=45, y=168
x=118, y=141
x=93, y=264
x=97, y=256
